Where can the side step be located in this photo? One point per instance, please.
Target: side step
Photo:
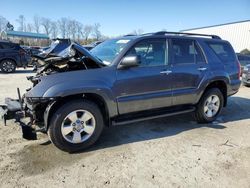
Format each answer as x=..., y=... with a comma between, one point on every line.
x=152, y=115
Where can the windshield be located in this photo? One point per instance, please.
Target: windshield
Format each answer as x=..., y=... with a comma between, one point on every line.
x=108, y=50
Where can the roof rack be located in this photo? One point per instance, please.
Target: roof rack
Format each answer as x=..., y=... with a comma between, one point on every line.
x=180, y=33
x=129, y=35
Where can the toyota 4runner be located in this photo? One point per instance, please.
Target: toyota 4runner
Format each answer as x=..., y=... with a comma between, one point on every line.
x=124, y=80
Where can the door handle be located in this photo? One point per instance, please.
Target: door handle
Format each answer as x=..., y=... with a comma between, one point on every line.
x=202, y=68
x=166, y=72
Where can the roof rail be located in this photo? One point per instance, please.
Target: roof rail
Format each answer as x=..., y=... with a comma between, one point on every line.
x=129, y=35
x=180, y=33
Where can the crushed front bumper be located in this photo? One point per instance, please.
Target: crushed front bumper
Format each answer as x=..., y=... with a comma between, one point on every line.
x=12, y=110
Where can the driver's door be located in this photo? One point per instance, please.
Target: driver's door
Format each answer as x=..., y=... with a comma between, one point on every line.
x=147, y=86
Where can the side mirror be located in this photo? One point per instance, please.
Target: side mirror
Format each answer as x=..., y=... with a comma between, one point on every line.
x=129, y=61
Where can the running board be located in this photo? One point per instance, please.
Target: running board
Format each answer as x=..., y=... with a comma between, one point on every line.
x=128, y=120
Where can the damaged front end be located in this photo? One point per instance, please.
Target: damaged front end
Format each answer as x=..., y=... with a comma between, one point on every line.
x=13, y=109
x=29, y=113
x=31, y=110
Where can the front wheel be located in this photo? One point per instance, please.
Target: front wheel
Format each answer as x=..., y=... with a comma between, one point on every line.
x=8, y=66
x=76, y=125
x=209, y=106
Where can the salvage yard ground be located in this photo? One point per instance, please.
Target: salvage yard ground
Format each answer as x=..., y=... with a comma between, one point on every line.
x=167, y=152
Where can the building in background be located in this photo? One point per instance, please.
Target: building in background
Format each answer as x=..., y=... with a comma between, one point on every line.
x=26, y=38
x=237, y=33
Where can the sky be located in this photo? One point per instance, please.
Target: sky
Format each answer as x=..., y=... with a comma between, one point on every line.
x=118, y=17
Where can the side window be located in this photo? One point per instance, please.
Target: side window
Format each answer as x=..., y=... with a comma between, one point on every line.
x=151, y=52
x=7, y=46
x=223, y=51
x=186, y=51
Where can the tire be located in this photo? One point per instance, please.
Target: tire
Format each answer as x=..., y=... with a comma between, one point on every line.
x=8, y=66
x=245, y=84
x=73, y=138
x=207, y=109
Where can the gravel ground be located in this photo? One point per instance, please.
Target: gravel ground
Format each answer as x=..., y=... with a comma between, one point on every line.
x=167, y=152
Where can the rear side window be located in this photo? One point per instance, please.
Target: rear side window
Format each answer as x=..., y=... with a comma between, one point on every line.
x=186, y=51
x=223, y=51
x=7, y=46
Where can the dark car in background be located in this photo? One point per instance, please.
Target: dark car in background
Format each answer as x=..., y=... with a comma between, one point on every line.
x=32, y=50
x=246, y=75
x=12, y=55
x=244, y=60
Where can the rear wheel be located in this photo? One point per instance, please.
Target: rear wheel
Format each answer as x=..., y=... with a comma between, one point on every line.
x=76, y=125
x=209, y=106
x=8, y=66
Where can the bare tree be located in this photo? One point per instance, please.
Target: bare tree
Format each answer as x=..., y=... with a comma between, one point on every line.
x=37, y=23
x=72, y=29
x=78, y=30
x=87, y=30
x=68, y=28
x=137, y=32
x=3, y=23
x=21, y=21
x=46, y=23
x=63, y=26
x=96, y=31
x=29, y=27
x=54, y=29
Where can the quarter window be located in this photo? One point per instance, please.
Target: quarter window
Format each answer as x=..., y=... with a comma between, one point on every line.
x=223, y=51
x=186, y=51
x=151, y=52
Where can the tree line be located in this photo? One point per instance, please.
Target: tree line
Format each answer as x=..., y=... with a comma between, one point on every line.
x=63, y=28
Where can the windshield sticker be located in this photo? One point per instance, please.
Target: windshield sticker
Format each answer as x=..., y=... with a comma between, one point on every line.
x=122, y=41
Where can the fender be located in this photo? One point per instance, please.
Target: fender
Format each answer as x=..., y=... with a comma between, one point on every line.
x=90, y=86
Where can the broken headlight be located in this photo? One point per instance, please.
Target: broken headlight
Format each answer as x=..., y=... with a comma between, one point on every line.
x=32, y=100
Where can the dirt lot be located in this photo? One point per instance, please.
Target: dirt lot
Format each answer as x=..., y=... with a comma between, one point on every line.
x=168, y=152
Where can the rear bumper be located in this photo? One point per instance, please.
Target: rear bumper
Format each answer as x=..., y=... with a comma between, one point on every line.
x=234, y=87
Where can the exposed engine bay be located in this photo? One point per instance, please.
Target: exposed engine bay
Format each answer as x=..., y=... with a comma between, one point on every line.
x=73, y=58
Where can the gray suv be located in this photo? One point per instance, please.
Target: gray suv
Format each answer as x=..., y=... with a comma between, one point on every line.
x=125, y=80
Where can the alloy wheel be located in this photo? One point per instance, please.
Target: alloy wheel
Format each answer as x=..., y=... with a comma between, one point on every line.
x=212, y=106
x=78, y=126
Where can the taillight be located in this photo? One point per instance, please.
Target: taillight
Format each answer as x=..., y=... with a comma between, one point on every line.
x=239, y=69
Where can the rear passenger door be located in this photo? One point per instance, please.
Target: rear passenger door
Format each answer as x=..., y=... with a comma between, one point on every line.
x=188, y=69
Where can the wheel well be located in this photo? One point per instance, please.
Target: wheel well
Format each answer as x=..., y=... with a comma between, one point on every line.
x=222, y=86
x=97, y=99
